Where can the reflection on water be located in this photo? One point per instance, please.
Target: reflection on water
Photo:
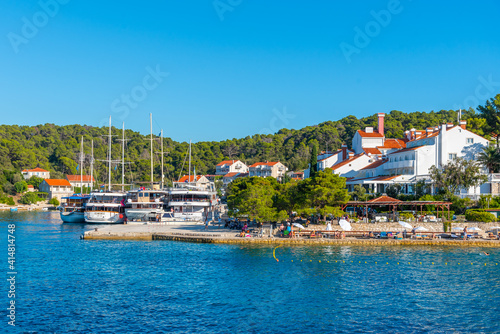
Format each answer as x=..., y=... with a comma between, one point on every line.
x=66, y=284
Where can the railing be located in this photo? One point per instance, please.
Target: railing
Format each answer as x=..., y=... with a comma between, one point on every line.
x=399, y=164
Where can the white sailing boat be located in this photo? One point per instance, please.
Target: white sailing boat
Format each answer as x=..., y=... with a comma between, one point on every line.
x=106, y=207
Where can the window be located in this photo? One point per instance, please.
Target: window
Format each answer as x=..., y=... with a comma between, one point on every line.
x=470, y=140
x=452, y=156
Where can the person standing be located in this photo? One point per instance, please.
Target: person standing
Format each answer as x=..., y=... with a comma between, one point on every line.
x=465, y=233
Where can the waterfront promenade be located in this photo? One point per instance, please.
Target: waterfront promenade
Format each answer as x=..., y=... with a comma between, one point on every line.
x=191, y=232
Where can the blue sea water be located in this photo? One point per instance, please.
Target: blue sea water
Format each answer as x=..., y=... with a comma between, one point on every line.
x=68, y=285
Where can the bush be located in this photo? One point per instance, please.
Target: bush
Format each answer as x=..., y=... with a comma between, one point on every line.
x=444, y=215
x=406, y=216
x=54, y=201
x=29, y=198
x=446, y=226
x=478, y=215
x=7, y=200
x=21, y=187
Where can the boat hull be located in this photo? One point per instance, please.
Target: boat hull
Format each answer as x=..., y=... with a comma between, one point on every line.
x=104, y=217
x=72, y=217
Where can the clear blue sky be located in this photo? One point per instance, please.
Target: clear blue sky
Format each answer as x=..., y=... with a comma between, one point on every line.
x=236, y=68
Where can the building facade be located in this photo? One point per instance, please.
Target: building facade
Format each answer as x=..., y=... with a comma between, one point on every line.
x=28, y=173
x=230, y=166
x=56, y=188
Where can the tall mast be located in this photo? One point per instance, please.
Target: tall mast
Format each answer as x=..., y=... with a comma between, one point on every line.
x=81, y=165
x=189, y=169
x=151, y=138
x=162, y=175
x=123, y=157
x=109, y=155
x=92, y=168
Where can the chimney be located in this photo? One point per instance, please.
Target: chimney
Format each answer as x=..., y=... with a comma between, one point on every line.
x=381, y=116
x=429, y=131
x=407, y=135
x=463, y=124
x=449, y=126
x=344, y=152
x=412, y=133
x=369, y=129
x=351, y=154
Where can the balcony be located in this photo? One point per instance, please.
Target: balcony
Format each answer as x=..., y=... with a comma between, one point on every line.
x=399, y=164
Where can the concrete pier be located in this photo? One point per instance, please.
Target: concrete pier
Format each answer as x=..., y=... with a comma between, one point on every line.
x=190, y=232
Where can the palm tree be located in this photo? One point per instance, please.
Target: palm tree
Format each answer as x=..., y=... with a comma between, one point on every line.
x=490, y=158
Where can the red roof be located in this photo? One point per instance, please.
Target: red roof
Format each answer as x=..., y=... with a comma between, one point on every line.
x=270, y=163
x=370, y=134
x=226, y=162
x=191, y=179
x=384, y=199
x=407, y=149
x=375, y=164
x=231, y=174
x=77, y=178
x=345, y=162
x=394, y=143
x=30, y=186
x=58, y=182
x=372, y=150
x=38, y=169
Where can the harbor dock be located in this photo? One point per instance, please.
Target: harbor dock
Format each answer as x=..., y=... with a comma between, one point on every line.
x=192, y=232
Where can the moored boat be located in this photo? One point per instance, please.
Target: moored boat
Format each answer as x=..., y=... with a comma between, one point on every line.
x=105, y=208
x=145, y=205
x=73, y=210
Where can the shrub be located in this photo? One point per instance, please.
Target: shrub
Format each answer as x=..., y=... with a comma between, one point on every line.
x=406, y=216
x=446, y=226
x=29, y=198
x=21, y=186
x=54, y=201
x=478, y=215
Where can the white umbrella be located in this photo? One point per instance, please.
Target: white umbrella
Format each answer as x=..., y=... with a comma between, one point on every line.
x=299, y=226
x=344, y=224
x=421, y=229
x=405, y=224
x=474, y=229
x=328, y=227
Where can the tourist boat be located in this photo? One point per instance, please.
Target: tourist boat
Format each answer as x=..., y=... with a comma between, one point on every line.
x=145, y=205
x=105, y=208
x=192, y=201
x=73, y=210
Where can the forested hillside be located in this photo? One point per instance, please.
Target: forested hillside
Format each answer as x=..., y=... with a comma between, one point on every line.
x=56, y=148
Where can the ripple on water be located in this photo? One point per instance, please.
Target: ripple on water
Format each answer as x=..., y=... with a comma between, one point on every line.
x=74, y=286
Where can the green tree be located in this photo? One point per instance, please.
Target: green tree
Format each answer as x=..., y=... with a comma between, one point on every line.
x=29, y=198
x=490, y=158
x=313, y=162
x=359, y=193
x=21, y=187
x=324, y=192
x=456, y=175
x=491, y=112
x=35, y=181
x=54, y=201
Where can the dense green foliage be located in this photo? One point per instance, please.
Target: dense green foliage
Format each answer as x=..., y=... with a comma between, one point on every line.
x=264, y=199
x=30, y=198
x=478, y=215
x=54, y=201
x=21, y=186
x=457, y=174
x=56, y=148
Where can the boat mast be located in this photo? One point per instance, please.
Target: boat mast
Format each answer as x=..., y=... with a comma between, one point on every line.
x=151, y=138
x=92, y=168
x=109, y=155
x=189, y=169
x=81, y=165
x=162, y=175
x=123, y=157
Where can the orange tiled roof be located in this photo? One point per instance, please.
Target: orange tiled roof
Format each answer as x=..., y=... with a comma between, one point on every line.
x=393, y=143
x=345, y=162
x=384, y=199
x=38, y=169
x=371, y=134
x=231, y=174
x=375, y=164
x=191, y=179
x=226, y=162
x=76, y=178
x=58, y=182
x=30, y=186
x=271, y=163
x=372, y=150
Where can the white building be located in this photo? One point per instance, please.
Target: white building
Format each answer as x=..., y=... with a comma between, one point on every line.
x=28, y=173
x=434, y=146
x=56, y=188
x=80, y=180
x=269, y=168
x=230, y=166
